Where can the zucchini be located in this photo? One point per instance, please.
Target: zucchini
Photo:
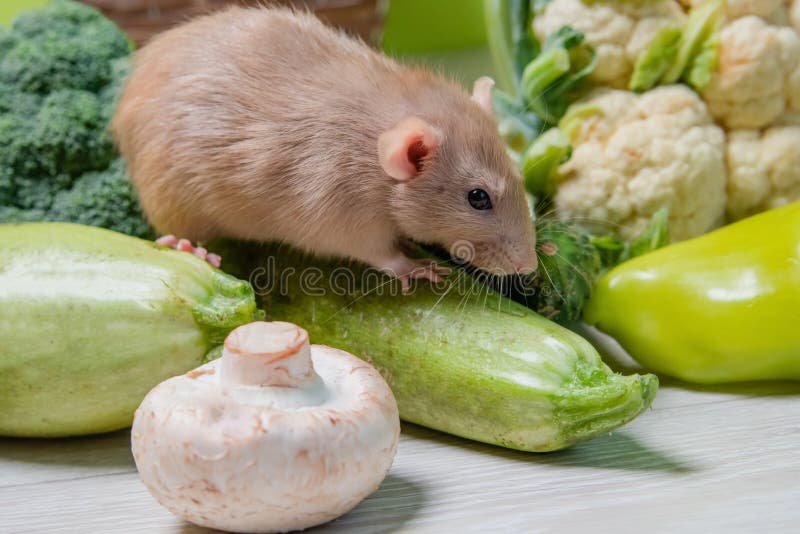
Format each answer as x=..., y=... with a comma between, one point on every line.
x=91, y=320
x=459, y=358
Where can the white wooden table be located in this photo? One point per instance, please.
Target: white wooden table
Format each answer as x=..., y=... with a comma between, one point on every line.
x=723, y=459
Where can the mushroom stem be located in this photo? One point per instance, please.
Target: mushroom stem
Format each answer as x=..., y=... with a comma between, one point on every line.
x=267, y=354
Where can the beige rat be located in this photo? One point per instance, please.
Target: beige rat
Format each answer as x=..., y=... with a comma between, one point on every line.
x=263, y=124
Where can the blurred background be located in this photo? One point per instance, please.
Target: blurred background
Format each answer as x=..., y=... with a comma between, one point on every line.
x=445, y=34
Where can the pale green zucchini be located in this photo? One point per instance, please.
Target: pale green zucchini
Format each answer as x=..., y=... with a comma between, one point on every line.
x=91, y=320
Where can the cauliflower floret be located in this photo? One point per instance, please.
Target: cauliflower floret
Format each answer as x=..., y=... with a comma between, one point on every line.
x=639, y=153
x=773, y=11
x=763, y=170
x=619, y=30
x=757, y=77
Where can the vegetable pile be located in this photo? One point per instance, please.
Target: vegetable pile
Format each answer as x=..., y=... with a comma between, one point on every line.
x=459, y=358
x=693, y=106
x=61, y=68
x=462, y=358
x=129, y=314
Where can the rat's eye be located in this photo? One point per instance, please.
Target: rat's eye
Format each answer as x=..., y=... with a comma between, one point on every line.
x=479, y=199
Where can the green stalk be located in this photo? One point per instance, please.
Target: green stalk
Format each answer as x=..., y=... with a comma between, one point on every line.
x=498, y=34
x=509, y=40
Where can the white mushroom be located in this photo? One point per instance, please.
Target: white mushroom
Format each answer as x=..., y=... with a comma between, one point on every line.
x=276, y=435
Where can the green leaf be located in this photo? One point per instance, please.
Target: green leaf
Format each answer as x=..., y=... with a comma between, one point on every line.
x=656, y=59
x=541, y=160
x=654, y=236
x=614, y=251
x=549, y=82
x=518, y=126
x=704, y=64
x=610, y=247
x=702, y=25
x=570, y=123
x=541, y=73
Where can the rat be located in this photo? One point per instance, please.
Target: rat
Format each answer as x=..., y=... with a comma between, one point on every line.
x=264, y=124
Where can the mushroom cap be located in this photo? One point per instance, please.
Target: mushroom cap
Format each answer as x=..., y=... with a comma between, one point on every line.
x=219, y=448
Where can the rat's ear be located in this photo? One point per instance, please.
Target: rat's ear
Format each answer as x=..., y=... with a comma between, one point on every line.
x=482, y=93
x=402, y=149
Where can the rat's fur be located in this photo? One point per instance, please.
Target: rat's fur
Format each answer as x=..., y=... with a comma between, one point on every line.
x=263, y=124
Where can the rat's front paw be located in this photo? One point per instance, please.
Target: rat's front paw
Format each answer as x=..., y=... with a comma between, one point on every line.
x=185, y=245
x=405, y=269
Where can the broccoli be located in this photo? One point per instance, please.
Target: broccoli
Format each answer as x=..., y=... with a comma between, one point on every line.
x=109, y=95
x=71, y=133
x=103, y=198
x=7, y=187
x=16, y=215
x=61, y=71
x=6, y=41
x=63, y=45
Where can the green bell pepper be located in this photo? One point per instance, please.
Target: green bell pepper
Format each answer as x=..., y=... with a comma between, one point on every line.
x=724, y=307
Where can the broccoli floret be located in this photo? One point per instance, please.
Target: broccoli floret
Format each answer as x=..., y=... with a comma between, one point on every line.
x=14, y=101
x=7, y=41
x=109, y=96
x=63, y=46
x=71, y=133
x=7, y=186
x=61, y=72
x=105, y=198
x=9, y=214
x=38, y=193
x=17, y=148
x=61, y=16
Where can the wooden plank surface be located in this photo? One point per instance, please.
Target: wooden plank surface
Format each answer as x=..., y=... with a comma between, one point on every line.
x=725, y=460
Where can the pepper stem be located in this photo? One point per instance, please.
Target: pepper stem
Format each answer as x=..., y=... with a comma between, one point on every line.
x=267, y=354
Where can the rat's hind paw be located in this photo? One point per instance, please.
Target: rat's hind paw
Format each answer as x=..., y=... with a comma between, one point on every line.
x=185, y=245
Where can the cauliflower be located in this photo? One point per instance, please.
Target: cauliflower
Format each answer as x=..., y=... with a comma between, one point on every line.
x=634, y=154
x=619, y=30
x=764, y=170
x=619, y=156
x=757, y=77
